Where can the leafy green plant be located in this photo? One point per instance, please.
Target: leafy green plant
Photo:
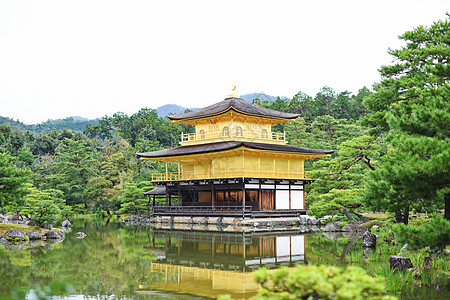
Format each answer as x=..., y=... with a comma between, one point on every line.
x=319, y=282
x=435, y=234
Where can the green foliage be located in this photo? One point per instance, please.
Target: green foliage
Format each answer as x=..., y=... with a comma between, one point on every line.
x=319, y=282
x=434, y=234
x=132, y=198
x=412, y=104
x=12, y=181
x=339, y=180
x=334, y=202
x=76, y=164
x=45, y=206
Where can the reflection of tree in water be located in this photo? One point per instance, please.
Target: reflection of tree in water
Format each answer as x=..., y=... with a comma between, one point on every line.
x=111, y=259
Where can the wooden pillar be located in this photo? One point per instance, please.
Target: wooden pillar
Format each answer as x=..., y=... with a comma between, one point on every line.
x=243, y=197
x=260, y=196
x=170, y=200
x=154, y=200
x=167, y=197
x=167, y=170
x=290, y=205
x=213, y=196
x=179, y=196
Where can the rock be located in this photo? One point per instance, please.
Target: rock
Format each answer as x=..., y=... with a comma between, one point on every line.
x=399, y=263
x=12, y=247
x=427, y=261
x=366, y=252
x=66, y=223
x=47, y=226
x=332, y=227
x=2, y=218
x=352, y=235
x=15, y=235
x=81, y=235
x=55, y=234
x=35, y=235
x=369, y=239
x=354, y=228
x=334, y=236
x=375, y=227
x=132, y=218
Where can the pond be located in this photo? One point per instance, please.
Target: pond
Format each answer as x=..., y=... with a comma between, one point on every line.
x=116, y=261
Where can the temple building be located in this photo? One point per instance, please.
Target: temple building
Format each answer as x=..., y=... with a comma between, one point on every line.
x=233, y=165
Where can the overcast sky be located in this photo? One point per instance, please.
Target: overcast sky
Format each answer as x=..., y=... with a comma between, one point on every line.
x=94, y=58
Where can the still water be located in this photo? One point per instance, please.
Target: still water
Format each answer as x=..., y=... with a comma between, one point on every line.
x=116, y=261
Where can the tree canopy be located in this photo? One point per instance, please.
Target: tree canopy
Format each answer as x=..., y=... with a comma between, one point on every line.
x=412, y=104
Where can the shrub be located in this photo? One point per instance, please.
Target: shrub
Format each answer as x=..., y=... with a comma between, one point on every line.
x=435, y=234
x=319, y=282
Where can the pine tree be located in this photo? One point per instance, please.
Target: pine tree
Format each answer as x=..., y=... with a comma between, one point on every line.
x=12, y=181
x=412, y=104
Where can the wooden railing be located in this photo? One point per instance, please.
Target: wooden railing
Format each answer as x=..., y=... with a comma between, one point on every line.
x=210, y=135
x=233, y=173
x=218, y=211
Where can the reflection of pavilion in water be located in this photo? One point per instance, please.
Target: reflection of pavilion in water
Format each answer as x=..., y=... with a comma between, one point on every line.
x=210, y=264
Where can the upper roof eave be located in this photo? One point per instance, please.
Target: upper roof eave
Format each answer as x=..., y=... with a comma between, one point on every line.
x=230, y=145
x=236, y=104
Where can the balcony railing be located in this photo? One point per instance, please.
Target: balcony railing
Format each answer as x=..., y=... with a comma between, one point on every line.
x=251, y=135
x=233, y=173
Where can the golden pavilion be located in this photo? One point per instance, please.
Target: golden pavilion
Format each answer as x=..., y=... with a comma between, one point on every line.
x=233, y=165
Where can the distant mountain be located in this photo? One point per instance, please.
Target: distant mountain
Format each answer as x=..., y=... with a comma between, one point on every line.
x=72, y=123
x=171, y=109
x=261, y=96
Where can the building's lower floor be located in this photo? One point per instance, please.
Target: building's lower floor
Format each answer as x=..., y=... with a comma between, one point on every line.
x=228, y=197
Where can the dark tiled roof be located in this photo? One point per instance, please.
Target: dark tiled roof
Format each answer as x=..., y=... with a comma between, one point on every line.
x=238, y=105
x=223, y=146
x=158, y=190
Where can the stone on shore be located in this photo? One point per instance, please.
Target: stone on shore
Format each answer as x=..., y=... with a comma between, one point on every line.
x=354, y=228
x=369, y=239
x=332, y=227
x=55, y=234
x=399, y=263
x=15, y=235
x=81, y=235
x=34, y=235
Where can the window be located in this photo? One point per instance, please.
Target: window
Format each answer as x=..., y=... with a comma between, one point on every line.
x=202, y=134
x=239, y=131
x=226, y=131
x=264, y=134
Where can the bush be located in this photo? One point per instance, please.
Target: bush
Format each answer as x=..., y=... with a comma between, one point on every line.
x=319, y=282
x=434, y=234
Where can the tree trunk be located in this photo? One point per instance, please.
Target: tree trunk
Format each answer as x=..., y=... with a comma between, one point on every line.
x=447, y=206
x=406, y=215
x=398, y=216
x=348, y=215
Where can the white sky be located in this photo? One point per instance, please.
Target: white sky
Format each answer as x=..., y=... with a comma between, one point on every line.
x=94, y=58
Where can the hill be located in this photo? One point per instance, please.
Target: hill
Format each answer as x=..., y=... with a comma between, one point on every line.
x=167, y=109
x=261, y=96
x=72, y=123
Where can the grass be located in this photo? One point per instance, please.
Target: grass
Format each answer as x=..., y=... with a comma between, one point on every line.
x=377, y=215
x=4, y=227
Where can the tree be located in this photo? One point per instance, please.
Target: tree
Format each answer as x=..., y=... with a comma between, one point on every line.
x=412, y=104
x=45, y=206
x=132, y=198
x=340, y=180
x=76, y=164
x=12, y=181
